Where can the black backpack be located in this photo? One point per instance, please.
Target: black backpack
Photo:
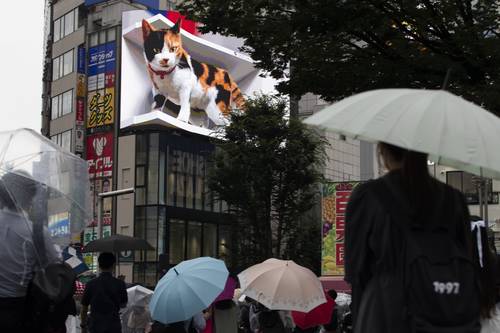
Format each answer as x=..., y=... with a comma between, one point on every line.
x=440, y=281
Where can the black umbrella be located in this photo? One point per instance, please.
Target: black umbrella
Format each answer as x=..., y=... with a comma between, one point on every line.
x=117, y=243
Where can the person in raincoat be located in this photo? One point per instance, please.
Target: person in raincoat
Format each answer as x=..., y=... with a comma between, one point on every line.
x=18, y=254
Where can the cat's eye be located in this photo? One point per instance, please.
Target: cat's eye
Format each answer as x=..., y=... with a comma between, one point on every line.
x=155, y=50
x=173, y=49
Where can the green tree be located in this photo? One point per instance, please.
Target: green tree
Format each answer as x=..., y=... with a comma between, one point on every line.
x=267, y=167
x=336, y=48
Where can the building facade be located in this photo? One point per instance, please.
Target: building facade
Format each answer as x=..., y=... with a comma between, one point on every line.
x=92, y=108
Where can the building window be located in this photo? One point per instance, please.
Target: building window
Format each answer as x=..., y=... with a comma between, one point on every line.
x=66, y=24
x=465, y=183
x=62, y=104
x=63, y=65
x=177, y=241
x=63, y=139
x=102, y=37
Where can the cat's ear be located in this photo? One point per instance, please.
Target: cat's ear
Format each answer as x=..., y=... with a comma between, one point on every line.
x=146, y=29
x=177, y=27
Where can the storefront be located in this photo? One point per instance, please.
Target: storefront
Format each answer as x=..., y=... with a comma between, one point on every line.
x=174, y=209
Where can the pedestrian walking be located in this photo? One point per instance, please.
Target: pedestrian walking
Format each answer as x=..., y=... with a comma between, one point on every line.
x=263, y=320
x=18, y=253
x=225, y=316
x=397, y=228
x=105, y=295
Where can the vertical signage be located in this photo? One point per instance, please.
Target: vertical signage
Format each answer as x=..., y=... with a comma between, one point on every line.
x=100, y=155
x=334, y=205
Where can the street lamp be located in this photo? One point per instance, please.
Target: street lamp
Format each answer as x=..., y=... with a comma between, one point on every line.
x=110, y=194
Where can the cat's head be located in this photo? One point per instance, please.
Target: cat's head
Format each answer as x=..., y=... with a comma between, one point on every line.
x=162, y=48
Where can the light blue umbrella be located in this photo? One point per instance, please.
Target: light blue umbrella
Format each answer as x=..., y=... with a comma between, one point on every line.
x=187, y=289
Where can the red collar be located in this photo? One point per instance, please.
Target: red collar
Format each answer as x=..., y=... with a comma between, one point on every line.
x=161, y=74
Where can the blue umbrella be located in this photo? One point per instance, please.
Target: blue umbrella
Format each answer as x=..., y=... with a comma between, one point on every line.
x=187, y=289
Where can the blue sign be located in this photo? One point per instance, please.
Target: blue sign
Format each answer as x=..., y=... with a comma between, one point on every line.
x=102, y=59
x=148, y=3
x=59, y=228
x=81, y=60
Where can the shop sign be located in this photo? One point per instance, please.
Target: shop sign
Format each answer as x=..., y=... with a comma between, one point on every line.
x=101, y=108
x=100, y=155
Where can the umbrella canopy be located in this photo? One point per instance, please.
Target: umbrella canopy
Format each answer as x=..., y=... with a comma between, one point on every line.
x=282, y=285
x=187, y=289
x=451, y=130
x=117, y=243
x=139, y=296
x=228, y=292
x=75, y=260
x=47, y=187
x=322, y=314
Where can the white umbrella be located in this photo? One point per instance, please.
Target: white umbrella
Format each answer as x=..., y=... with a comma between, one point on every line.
x=282, y=285
x=451, y=130
x=139, y=296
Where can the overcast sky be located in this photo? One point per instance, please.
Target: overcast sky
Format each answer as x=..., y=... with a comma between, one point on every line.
x=21, y=60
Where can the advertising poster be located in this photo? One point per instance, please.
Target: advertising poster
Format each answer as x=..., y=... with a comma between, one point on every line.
x=101, y=85
x=58, y=225
x=334, y=203
x=100, y=105
x=100, y=155
x=80, y=111
x=80, y=85
x=81, y=60
x=233, y=75
x=79, y=135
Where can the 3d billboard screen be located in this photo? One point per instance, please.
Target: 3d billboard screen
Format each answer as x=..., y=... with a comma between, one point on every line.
x=173, y=78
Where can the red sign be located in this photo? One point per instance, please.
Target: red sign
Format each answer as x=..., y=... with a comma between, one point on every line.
x=80, y=111
x=100, y=154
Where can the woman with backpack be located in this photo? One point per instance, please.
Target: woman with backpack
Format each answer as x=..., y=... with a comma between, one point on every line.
x=408, y=253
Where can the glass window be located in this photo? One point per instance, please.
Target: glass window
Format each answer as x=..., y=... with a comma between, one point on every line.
x=66, y=140
x=172, y=174
x=161, y=178
x=189, y=179
x=209, y=240
x=150, y=275
x=200, y=179
x=181, y=178
x=140, y=228
x=102, y=36
x=55, y=107
x=454, y=179
x=55, y=68
x=224, y=241
x=140, y=196
x=162, y=230
x=141, y=149
x=152, y=180
x=69, y=23
x=152, y=232
x=139, y=180
x=67, y=102
x=77, y=18
x=68, y=62
x=193, y=240
x=94, y=39
x=177, y=241
x=111, y=34
x=57, y=30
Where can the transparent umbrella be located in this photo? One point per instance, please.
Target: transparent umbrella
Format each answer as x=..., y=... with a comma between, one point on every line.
x=45, y=189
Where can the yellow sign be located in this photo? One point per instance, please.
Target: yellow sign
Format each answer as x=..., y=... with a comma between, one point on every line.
x=80, y=85
x=101, y=107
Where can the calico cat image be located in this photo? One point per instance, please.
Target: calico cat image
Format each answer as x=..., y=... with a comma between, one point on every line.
x=184, y=80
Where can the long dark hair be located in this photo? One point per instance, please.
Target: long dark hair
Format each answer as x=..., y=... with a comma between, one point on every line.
x=417, y=183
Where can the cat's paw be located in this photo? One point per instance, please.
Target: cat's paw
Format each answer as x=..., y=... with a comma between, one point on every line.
x=159, y=101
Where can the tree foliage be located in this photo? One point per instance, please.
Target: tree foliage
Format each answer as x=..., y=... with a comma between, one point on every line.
x=267, y=168
x=337, y=48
